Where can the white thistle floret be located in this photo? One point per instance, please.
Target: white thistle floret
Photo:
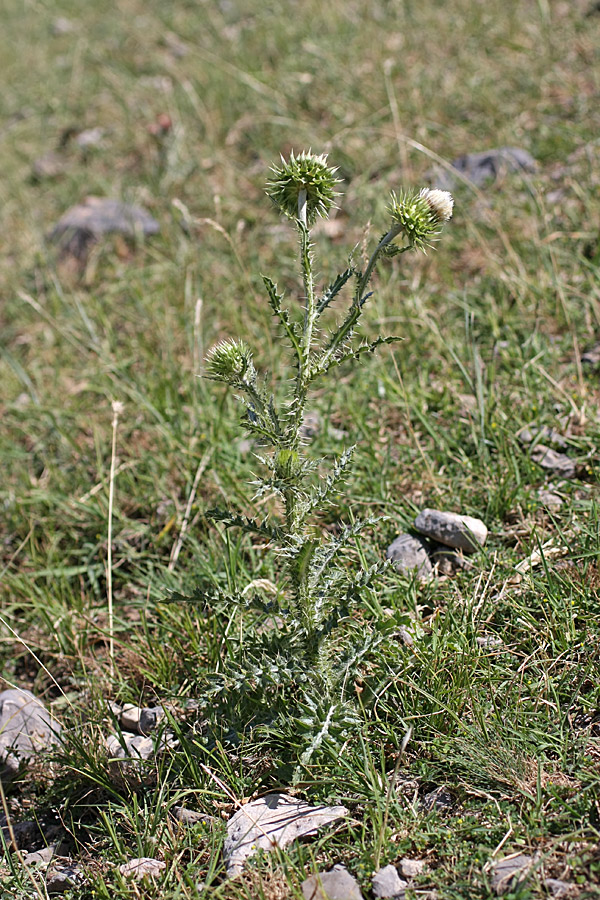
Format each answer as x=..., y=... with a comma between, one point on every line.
x=441, y=203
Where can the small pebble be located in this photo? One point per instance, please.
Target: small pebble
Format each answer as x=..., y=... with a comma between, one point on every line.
x=461, y=532
x=40, y=856
x=142, y=867
x=387, y=883
x=557, y=463
x=337, y=884
x=190, y=816
x=558, y=888
x=60, y=880
x=550, y=499
x=508, y=872
x=410, y=868
x=409, y=555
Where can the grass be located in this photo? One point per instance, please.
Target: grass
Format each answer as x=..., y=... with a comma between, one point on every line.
x=494, y=323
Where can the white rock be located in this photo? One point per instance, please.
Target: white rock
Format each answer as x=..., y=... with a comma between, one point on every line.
x=26, y=728
x=510, y=871
x=409, y=555
x=273, y=821
x=387, y=883
x=410, y=868
x=337, y=884
x=142, y=867
x=462, y=532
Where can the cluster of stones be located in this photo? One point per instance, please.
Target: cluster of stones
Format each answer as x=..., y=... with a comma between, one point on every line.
x=443, y=542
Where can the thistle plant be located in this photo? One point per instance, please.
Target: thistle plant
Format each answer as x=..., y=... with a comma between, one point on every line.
x=317, y=587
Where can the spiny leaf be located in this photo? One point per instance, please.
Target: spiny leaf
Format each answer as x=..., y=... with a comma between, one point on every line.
x=282, y=314
x=334, y=289
x=232, y=520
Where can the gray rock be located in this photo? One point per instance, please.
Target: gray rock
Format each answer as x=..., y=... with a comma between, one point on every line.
x=337, y=884
x=409, y=555
x=410, y=868
x=550, y=499
x=63, y=879
x=40, y=856
x=461, y=532
x=90, y=138
x=26, y=834
x=405, y=636
x=439, y=799
x=26, y=729
x=481, y=167
x=190, y=817
x=131, y=755
x=510, y=871
x=142, y=867
x=273, y=821
x=557, y=463
x=142, y=719
x=387, y=883
x=50, y=165
x=83, y=224
x=61, y=26
x=559, y=888
x=528, y=435
x=591, y=357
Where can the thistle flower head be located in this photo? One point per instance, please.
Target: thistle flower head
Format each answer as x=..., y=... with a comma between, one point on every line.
x=441, y=203
x=420, y=216
x=306, y=172
x=229, y=360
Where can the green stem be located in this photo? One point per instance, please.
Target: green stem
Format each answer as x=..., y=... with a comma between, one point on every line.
x=366, y=277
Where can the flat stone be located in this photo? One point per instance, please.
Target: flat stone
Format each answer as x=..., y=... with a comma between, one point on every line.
x=409, y=555
x=90, y=138
x=142, y=719
x=275, y=820
x=557, y=463
x=337, y=884
x=26, y=729
x=130, y=764
x=50, y=165
x=81, y=225
x=142, y=867
x=190, y=817
x=558, y=888
x=550, y=499
x=387, y=883
x=510, y=871
x=546, y=433
x=410, y=868
x=40, y=856
x=61, y=26
x=26, y=834
x=482, y=167
x=65, y=878
x=461, y=532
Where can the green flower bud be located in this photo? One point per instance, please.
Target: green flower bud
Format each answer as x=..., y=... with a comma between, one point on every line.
x=309, y=173
x=287, y=464
x=229, y=360
x=419, y=216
